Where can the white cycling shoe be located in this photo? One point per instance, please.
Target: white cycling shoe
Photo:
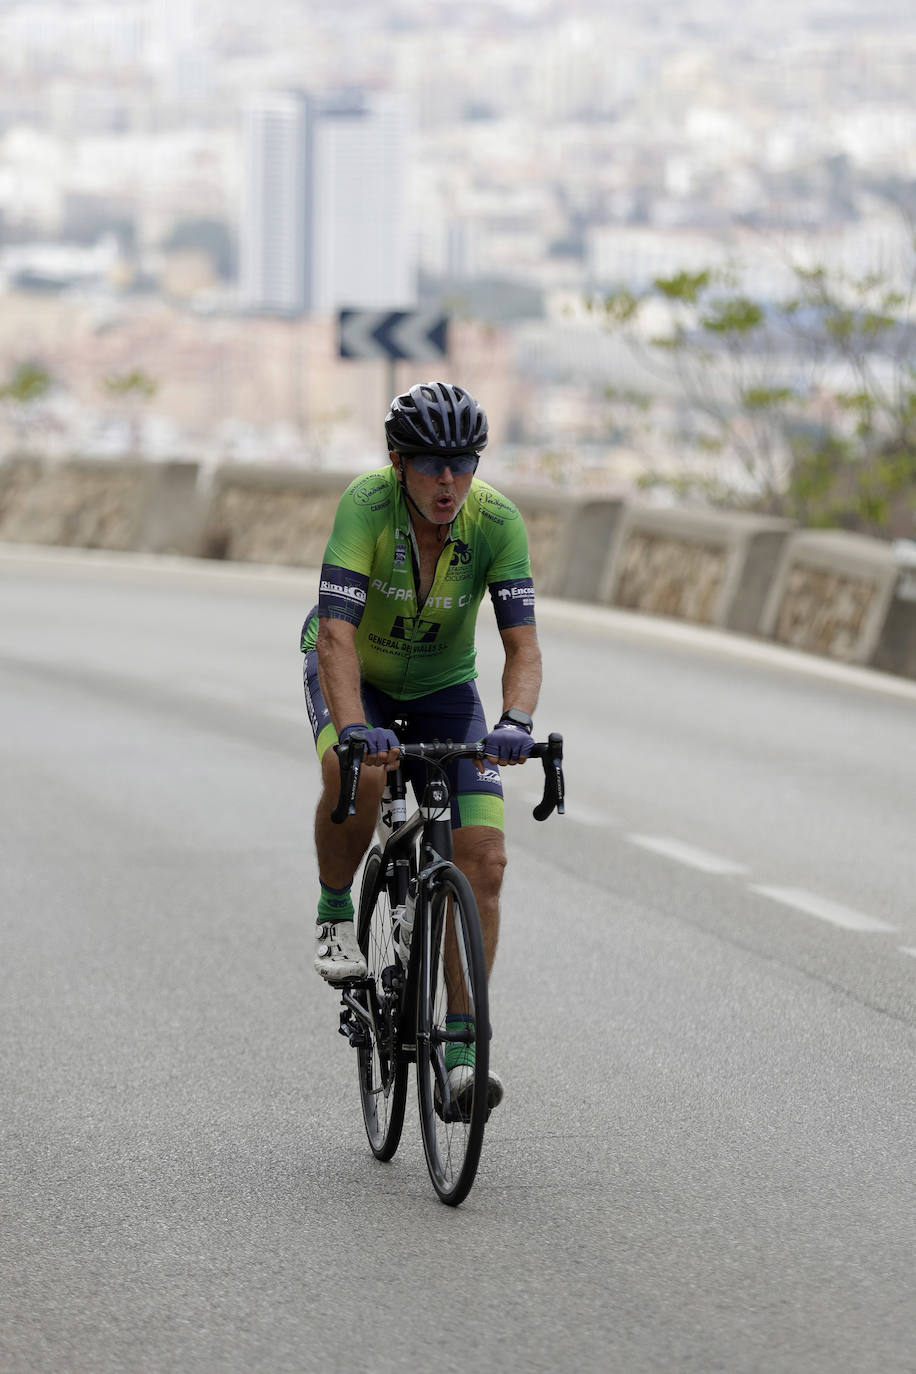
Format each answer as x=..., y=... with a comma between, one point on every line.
x=461, y=1086
x=338, y=956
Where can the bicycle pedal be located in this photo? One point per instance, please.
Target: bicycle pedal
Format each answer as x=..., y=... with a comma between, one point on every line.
x=354, y=1030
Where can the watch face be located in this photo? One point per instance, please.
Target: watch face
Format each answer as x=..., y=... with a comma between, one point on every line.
x=518, y=718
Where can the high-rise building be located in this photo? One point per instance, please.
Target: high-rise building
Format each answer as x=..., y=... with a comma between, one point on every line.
x=275, y=221
x=325, y=215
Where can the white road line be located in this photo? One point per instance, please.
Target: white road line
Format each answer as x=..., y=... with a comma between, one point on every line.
x=686, y=854
x=813, y=905
x=904, y=950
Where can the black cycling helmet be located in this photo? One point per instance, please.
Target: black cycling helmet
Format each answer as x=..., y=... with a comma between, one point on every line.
x=436, y=417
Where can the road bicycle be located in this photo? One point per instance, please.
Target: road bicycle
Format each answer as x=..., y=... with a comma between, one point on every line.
x=424, y=999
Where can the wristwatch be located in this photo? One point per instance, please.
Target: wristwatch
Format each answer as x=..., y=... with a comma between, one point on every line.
x=520, y=718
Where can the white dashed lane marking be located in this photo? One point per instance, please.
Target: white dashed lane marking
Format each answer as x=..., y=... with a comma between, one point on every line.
x=808, y=903
x=813, y=905
x=686, y=854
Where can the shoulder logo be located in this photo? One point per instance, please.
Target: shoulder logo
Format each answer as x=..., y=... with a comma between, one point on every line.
x=372, y=491
x=497, y=507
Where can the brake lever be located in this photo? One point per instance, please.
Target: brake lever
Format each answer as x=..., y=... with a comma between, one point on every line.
x=350, y=755
x=554, y=786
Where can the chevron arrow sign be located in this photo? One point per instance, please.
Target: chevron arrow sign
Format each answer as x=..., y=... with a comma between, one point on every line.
x=416, y=335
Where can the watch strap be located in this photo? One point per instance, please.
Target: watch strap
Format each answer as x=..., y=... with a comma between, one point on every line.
x=518, y=718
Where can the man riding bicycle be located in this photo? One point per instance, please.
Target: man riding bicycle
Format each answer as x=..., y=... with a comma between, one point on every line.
x=413, y=549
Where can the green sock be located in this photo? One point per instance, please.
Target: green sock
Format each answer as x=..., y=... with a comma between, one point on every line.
x=335, y=904
x=457, y=1052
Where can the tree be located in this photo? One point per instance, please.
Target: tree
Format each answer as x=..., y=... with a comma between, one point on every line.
x=132, y=390
x=29, y=383
x=812, y=399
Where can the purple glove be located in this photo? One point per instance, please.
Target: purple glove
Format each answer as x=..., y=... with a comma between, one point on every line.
x=378, y=738
x=508, y=743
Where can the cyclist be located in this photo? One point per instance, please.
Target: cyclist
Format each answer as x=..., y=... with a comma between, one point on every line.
x=413, y=549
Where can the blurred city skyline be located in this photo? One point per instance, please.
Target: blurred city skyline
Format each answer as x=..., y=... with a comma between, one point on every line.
x=551, y=151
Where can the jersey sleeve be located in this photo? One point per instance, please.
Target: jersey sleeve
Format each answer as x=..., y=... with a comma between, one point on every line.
x=509, y=574
x=347, y=561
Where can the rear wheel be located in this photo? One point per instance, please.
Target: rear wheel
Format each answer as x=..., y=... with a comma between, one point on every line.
x=382, y=1072
x=453, y=1030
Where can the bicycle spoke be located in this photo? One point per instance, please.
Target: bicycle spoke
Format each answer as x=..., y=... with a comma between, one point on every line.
x=382, y=1076
x=452, y=1039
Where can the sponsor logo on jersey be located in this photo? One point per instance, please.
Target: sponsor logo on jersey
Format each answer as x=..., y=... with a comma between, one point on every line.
x=497, y=508
x=419, y=631
x=385, y=589
x=351, y=592
x=461, y=565
x=374, y=492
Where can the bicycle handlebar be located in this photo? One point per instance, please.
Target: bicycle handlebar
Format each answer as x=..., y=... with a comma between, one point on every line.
x=549, y=751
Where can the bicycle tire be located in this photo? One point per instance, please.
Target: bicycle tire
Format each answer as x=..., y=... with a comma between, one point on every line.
x=382, y=1071
x=452, y=1135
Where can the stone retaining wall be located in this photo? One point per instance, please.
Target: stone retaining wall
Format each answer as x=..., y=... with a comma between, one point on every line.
x=831, y=594
x=94, y=504
x=701, y=566
x=828, y=593
x=257, y=515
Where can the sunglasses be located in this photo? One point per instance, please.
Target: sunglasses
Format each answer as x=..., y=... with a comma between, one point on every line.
x=431, y=464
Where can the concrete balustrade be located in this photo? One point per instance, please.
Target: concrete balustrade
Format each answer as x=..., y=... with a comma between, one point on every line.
x=831, y=594
x=703, y=566
x=826, y=592
x=126, y=505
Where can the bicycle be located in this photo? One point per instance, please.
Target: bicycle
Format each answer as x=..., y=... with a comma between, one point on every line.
x=424, y=999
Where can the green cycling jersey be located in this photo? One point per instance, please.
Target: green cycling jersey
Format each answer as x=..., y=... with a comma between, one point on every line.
x=369, y=578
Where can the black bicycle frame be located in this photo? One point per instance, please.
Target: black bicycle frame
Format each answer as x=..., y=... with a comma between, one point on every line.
x=436, y=848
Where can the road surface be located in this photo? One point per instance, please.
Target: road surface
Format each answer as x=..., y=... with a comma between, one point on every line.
x=703, y=1009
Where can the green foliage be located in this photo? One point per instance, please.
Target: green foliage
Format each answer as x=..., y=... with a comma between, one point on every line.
x=814, y=396
x=30, y=381
x=136, y=383
x=737, y=315
x=621, y=307
x=686, y=287
x=766, y=397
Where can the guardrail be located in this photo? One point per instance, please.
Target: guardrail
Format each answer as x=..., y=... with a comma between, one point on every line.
x=840, y=595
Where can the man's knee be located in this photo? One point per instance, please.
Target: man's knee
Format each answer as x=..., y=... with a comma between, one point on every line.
x=371, y=782
x=480, y=852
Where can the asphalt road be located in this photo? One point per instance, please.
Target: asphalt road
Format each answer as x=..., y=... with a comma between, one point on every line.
x=703, y=1008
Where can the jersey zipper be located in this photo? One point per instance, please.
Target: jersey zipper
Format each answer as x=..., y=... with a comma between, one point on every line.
x=415, y=569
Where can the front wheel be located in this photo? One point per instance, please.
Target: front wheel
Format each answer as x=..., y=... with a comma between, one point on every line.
x=382, y=1070
x=453, y=1036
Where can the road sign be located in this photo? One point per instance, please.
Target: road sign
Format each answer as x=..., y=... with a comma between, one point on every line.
x=415, y=335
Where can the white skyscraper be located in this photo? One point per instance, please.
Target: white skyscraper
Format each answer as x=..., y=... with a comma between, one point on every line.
x=363, y=245
x=325, y=217
x=275, y=223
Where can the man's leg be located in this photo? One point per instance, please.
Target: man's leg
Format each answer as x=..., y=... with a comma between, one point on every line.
x=340, y=849
x=480, y=853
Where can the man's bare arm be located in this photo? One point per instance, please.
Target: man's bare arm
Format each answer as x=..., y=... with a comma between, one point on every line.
x=339, y=678
x=338, y=671
x=522, y=671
